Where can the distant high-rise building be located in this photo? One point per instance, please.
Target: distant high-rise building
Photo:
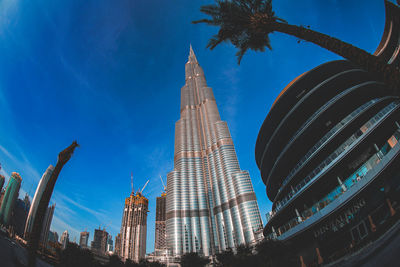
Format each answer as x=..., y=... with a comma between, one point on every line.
x=27, y=202
x=99, y=243
x=160, y=242
x=117, y=249
x=84, y=239
x=53, y=237
x=10, y=197
x=110, y=247
x=19, y=215
x=44, y=236
x=52, y=241
x=64, y=239
x=2, y=180
x=211, y=205
x=36, y=199
x=134, y=227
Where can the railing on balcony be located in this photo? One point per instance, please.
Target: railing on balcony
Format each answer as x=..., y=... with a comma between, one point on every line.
x=327, y=136
x=337, y=153
x=341, y=188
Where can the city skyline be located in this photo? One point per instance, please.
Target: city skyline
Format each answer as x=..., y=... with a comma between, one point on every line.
x=38, y=87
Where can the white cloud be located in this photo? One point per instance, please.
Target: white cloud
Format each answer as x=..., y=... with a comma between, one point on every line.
x=8, y=8
x=98, y=215
x=231, y=75
x=23, y=164
x=8, y=154
x=60, y=226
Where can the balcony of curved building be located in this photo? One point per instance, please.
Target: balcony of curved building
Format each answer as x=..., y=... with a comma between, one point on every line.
x=354, y=149
x=346, y=190
x=309, y=103
x=308, y=107
x=290, y=96
x=328, y=143
x=317, y=125
x=389, y=46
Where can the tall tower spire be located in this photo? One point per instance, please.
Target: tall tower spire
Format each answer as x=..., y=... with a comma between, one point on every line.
x=211, y=205
x=192, y=56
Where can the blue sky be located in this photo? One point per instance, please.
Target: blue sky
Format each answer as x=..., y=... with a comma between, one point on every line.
x=109, y=73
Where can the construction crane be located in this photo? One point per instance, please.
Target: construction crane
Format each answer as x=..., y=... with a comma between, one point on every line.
x=141, y=191
x=165, y=188
x=132, y=181
x=104, y=228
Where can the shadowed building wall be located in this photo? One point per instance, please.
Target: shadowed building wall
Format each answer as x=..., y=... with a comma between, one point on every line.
x=99, y=243
x=48, y=218
x=117, y=249
x=2, y=180
x=19, y=215
x=160, y=242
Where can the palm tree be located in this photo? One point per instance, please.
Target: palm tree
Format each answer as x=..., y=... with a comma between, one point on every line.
x=274, y=253
x=193, y=259
x=247, y=23
x=225, y=258
x=73, y=255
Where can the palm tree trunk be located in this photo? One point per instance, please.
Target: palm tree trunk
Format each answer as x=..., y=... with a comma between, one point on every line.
x=385, y=72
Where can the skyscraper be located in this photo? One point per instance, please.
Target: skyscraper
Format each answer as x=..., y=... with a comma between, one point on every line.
x=84, y=239
x=211, y=205
x=44, y=236
x=64, y=239
x=36, y=199
x=110, y=244
x=99, y=243
x=19, y=215
x=117, y=249
x=10, y=196
x=160, y=242
x=53, y=237
x=134, y=227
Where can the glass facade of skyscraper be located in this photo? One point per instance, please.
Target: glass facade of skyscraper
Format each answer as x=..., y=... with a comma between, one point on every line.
x=211, y=205
x=10, y=196
x=36, y=200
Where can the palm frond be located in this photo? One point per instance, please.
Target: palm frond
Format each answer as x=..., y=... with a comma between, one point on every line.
x=244, y=23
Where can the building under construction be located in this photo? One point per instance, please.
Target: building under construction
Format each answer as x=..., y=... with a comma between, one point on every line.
x=134, y=227
x=99, y=243
x=117, y=247
x=160, y=241
x=84, y=239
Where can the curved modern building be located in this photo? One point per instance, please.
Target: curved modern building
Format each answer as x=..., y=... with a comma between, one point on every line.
x=211, y=205
x=328, y=153
x=36, y=199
